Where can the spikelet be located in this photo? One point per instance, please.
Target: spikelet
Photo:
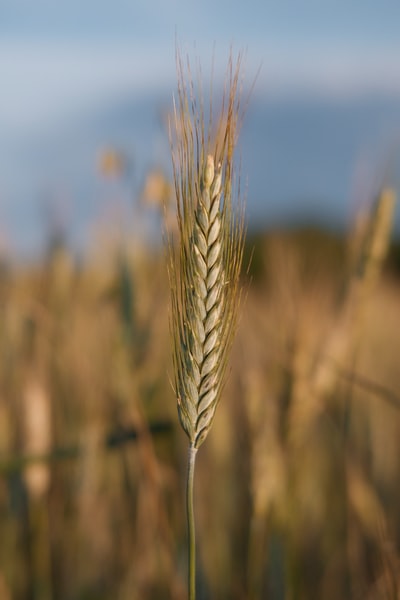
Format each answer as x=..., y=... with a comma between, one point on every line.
x=204, y=273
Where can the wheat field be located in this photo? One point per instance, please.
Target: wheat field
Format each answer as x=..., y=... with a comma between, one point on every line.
x=297, y=483
x=297, y=332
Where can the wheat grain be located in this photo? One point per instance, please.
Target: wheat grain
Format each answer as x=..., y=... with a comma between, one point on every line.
x=205, y=272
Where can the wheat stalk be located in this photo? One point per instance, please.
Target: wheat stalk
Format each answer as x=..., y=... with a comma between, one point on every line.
x=204, y=272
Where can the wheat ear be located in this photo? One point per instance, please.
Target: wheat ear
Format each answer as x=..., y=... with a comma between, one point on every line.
x=205, y=270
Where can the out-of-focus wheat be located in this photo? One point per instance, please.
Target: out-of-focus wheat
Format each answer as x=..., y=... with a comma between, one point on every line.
x=37, y=436
x=316, y=377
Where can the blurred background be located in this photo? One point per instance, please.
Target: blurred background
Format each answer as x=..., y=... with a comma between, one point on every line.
x=297, y=487
x=321, y=129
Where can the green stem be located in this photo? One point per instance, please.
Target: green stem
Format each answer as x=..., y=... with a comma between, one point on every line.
x=191, y=523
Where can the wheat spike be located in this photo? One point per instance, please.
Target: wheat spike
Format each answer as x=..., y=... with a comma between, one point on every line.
x=205, y=271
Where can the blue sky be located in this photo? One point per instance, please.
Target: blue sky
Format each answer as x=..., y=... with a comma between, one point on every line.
x=57, y=56
x=61, y=61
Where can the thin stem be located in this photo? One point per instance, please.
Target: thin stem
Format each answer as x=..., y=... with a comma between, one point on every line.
x=191, y=523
